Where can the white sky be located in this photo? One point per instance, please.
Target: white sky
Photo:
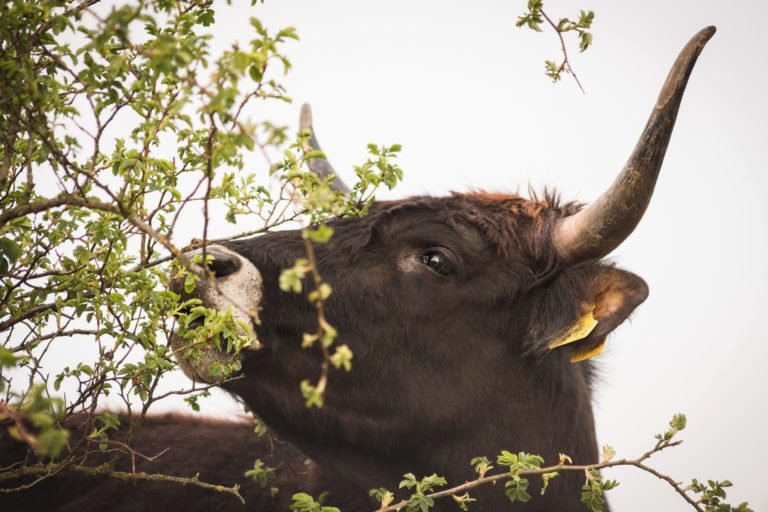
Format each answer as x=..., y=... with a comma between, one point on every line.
x=464, y=92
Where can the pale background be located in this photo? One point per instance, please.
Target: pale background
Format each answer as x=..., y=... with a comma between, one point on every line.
x=463, y=90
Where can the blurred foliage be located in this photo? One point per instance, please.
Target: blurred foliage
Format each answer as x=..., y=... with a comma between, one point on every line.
x=120, y=129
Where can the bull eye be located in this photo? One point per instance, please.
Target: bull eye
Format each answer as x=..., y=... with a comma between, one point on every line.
x=438, y=262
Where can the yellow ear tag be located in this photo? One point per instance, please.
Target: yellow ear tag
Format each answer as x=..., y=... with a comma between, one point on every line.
x=582, y=354
x=578, y=331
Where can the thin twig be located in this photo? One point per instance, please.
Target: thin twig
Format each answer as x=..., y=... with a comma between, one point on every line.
x=566, y=64
x=321, y=321
x=484, y=480
x=106, y=470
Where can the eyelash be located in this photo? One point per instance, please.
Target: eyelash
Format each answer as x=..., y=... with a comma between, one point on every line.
x=438, y=262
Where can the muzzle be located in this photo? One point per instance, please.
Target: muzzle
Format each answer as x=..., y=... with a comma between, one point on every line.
x=236, y=287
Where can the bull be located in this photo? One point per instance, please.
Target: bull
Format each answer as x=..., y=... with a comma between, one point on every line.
x=473, y=319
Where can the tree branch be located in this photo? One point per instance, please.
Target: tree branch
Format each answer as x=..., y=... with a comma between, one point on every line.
x=484, y=480
x=105, y=470
x=566, y=64
x=36, y=207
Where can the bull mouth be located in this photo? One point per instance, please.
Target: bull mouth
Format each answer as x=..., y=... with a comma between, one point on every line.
x=207, y=358
x=218, y=326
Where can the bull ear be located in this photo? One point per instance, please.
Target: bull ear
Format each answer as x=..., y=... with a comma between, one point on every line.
x=581, y=307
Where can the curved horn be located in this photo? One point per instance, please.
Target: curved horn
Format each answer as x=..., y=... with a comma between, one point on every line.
x=599, y=228
x=319, y=166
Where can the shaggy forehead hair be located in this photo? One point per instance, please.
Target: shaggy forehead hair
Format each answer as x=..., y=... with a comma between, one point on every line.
x=517, y=227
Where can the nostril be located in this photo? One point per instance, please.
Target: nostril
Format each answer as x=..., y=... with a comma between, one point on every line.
x=223, y=263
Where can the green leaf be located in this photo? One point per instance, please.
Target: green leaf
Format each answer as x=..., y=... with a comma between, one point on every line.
x=320, y=234
x=382, y=495
x=585, y=41
x=482, y=465
x=307, y=340
x=9, y=249
x=507, y=458
x=108, y=420
x=291, y=278
x=261, y=473
x=313, y=397
x=678, y=422
x=52, y=441
x=409, y=481
x=516, y=489
x=545, y=478
x=256, y=72
x=302, y=502
x=189, y=282
x=342, y=358
x=7, y=359
x=321, y=294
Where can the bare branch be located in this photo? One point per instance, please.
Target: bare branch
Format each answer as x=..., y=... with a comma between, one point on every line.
x=105, y=470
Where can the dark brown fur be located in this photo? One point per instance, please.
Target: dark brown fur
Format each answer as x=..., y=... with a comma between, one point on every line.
x=221, y=451
x=445, y=368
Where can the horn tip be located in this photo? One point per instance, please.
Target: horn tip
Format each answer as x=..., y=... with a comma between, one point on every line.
x=305, y=118
x=706, y=33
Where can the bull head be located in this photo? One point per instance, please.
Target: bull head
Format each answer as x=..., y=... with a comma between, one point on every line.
x=471, y=318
